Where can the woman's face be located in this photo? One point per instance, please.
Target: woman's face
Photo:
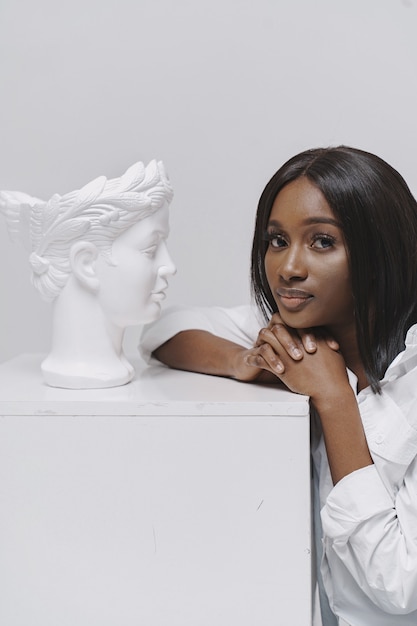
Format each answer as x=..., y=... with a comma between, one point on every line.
x=132, y=288
x=306, y=261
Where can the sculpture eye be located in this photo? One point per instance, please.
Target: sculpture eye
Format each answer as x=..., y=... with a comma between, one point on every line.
x=150, y=252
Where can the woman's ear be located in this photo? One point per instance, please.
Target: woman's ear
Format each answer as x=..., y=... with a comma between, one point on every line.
x=82, y=257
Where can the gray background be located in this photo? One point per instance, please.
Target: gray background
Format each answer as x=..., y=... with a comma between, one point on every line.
x=223, y=91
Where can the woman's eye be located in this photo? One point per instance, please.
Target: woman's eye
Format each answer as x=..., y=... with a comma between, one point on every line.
x=276, y=241
x=323, y=241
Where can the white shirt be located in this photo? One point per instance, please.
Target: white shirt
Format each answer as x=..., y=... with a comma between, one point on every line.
x=369, y=518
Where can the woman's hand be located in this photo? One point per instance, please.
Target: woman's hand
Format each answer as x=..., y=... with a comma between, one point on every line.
x=312, y=375
x=269, y=365
x=305, y=361
x=295, y=342
x=246, y=371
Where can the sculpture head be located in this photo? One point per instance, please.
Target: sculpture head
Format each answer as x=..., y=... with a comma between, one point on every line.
x=100, y=254
x=93, y=218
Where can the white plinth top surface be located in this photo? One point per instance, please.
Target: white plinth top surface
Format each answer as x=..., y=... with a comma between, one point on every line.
x=155, y=390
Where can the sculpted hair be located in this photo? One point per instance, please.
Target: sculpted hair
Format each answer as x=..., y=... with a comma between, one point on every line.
x=378, y=216
x=98, y=213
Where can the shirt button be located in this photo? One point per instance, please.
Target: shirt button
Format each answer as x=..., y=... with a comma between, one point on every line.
x=379, y=438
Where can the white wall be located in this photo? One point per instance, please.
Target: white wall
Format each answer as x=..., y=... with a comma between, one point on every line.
x=223, y=91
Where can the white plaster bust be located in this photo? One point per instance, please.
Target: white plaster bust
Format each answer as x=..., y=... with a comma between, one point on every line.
x=99, y=254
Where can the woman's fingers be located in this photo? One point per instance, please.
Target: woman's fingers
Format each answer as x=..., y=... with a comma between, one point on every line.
x=291, y=340
x=308, y=340
x=264, y=357
x=295, y=342
x=280, y=337
x=313, y=334
x=332, y=343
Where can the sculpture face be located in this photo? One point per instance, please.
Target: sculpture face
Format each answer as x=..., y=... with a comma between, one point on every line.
x=132, y=287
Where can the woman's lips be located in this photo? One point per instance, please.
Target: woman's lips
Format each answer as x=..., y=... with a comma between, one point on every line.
x=293, y=299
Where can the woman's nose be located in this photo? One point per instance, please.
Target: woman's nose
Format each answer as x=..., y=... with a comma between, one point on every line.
x=293, y=264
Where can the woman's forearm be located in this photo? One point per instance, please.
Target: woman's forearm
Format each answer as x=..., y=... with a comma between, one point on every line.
x=201, y=351
x=344, y=436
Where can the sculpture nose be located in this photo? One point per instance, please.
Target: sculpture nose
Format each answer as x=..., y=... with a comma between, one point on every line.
x=167, y=266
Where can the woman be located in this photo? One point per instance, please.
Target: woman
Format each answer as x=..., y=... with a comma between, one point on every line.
x=334, y=269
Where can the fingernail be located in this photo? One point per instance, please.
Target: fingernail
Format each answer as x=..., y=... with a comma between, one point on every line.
x=297, y=353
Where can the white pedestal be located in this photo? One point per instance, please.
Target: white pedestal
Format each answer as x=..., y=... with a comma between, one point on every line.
x=176, y=500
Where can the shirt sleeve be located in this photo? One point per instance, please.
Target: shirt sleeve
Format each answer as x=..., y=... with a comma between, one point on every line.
x=239, y=324
x=370, y=517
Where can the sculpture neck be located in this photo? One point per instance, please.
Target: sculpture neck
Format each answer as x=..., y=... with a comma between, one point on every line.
x=86, y=347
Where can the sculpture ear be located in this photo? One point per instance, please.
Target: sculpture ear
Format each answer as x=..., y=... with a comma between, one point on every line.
x=82, y=257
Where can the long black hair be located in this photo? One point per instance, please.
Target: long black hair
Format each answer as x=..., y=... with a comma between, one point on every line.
x=378, y=217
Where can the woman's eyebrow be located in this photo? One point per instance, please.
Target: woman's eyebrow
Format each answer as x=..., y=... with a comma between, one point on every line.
x=311, y=220
x=322, y=220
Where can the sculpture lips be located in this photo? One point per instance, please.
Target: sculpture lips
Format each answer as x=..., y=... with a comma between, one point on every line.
x=293, y=299
x=159, y=294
